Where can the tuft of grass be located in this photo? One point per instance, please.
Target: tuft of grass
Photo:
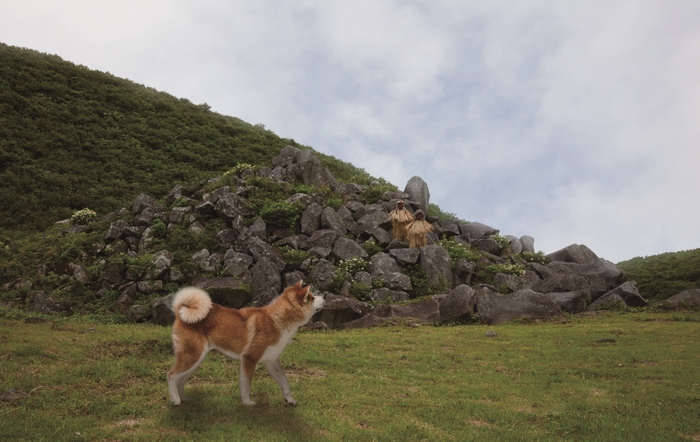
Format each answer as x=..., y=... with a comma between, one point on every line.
x=608, y=377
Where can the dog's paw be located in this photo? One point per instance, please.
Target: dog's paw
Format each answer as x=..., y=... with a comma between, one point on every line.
x=249, y=403
x=291, y=402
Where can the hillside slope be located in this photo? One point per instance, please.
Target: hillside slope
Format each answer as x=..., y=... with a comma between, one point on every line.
x=71, y=138
x=661, y=276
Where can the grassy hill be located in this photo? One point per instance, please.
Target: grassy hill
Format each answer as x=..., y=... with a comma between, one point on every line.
x=71, y=138
x=664, y=275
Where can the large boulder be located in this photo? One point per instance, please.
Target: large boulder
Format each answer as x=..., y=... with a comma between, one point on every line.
x=260, y=249
x=339, y=310
x=267, y=282
x=417, y=190
x=511, y=283
x=228, y=291
x=590, y=273
x=495, y=308
x=345, y=248
x=286, y=157
x=322, y=275
x=236, y=263
x=571, y=302
x=321, y=238
x=331, y=220
x=426, y=310
x=627, y=292
x=405, y=256
x=437, y=265
x=686, y=299
x=162, y=310
x=312, y=172
x=385, y=294
x=478, y=230
x=311, y=219
x=382, y=263
x=459, y=304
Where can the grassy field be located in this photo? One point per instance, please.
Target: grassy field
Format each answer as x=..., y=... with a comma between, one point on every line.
x=615, y=376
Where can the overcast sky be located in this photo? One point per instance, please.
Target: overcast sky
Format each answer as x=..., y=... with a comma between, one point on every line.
x=572, y=122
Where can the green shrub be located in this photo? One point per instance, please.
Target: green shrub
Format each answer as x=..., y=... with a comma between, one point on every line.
x=537, y=257
x=339, y=280
x=292, y=257
x=159, y=229
x=83, y=217
x=360, y=291
x=281, y=215
x=419, y=280
x=487, y=275
x=371, y=247
x=501, y=240
x=457, y=251
x=354, y=265
x=375, y=193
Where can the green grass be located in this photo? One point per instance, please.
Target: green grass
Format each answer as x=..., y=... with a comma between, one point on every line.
x=89, y=381
x=664, y=275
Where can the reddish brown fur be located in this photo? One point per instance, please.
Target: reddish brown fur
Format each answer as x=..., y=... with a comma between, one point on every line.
x=244, y=334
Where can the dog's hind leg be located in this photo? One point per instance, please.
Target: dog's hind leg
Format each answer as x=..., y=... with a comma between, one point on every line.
x=275, y=369
x=187, y=359
x=245, y=378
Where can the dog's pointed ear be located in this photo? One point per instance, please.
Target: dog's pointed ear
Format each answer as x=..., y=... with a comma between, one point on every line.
x=300, y=284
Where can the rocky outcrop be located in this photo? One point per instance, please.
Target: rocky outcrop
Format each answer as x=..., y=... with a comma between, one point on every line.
x=249, y=258
x=688, y=299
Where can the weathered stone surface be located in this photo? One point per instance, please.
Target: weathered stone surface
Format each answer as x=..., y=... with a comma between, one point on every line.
x=227, y=237
x=312, y=172
x=363, y=278
x=487, y=245
x=437, y=265
x=374, y=219
x=459, y=304
x=267, y=282
x=345, y=248
x=259, y=249
x=382, y=263
x=575, y=253
x=478, y=230
x=162, y=261
x=142, y=201
x=229, y=291
x=381, y=236
x=79, y=274
x=629, y=293
x=174, y=194
x=311, y=219
x=322, y=275
x=607, y=302
x=685, y=299
x=495, y=308
x=138, y=313
x=236, y=263
x=291, y=278
x=463, y=272
x=426, y=310
x=320, y=238
x=598, y=277
x=385, y=294
x=511, y=283
x=405, y=256
x=116, y=229
x=331, y=220
x=286, y=157
x=339, y=310
x=150, y=286
x=397, y=281
x=417, y=190
x=514, y=245
x=527, y=243
x=177, y=214
x=571, y=302
x=113, y=274
x=162, y=310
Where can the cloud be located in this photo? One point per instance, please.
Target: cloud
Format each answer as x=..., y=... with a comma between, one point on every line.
x=573, y=123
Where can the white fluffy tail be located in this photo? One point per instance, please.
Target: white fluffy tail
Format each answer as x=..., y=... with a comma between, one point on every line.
x=191, y=304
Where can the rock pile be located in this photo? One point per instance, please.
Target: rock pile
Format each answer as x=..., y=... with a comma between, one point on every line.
x=250, y=262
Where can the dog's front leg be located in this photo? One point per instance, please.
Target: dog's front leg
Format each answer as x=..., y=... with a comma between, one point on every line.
x=246, y=377
x=275, y=369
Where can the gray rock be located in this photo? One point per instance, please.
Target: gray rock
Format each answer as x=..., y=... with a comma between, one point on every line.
x=527, y=243
x=162, y=310
x=598, y=277
x=227, y=237
x=575, y=253
x=511, y=283
x=311, y=219
x=291, y=278
x=478, y=230
x=463, y=272
x=143, y=201
x=426, y=311
x=385, y=294
x=405, y=256
x=177, y=214
x=312, y=172
x=162, y=261
x=437, y=265
x=322, y=275
x=607, y=302
x=228, y=291
x=286, y=157
x=340, y=310
x=345, y=248
x=174, y=194
x=331, y=220
x=459, y=304
x=381, y=236
x=571, y=302
x=495, y=308
x=149, y=286
x=235, y=264
x=113, y=274
x=487, y=245
x=320, y=238
x=259, y=249
x=267, y=282
x=138, y=313
x=397, y=281
x=79, y=274
x=627, y=292
x=514, y=246
x=382, y=263
x=685, y=299
x=116, y=229
x=363, y=278
x=418, y=191
x=374, y=219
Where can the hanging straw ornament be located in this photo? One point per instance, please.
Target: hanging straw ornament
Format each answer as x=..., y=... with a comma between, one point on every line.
x=400, y=217
x=417, y=230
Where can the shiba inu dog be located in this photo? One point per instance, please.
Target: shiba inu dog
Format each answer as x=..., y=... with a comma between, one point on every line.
x=250, y=335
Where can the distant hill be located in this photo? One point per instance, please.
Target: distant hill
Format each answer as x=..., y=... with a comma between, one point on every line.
x=72, y=138
x=664, y=275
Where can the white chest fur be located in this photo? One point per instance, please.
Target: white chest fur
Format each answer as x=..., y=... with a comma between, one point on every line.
x=273, y=352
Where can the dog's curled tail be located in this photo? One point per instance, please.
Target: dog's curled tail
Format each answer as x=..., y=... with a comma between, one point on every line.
x=191, y=304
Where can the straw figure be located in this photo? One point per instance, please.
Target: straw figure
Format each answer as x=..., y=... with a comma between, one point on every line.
x=417, y=230
x=400, y=217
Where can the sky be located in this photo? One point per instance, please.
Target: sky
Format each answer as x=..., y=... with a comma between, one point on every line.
x=572, y=122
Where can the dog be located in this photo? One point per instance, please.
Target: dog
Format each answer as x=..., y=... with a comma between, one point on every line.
x=250, y=335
